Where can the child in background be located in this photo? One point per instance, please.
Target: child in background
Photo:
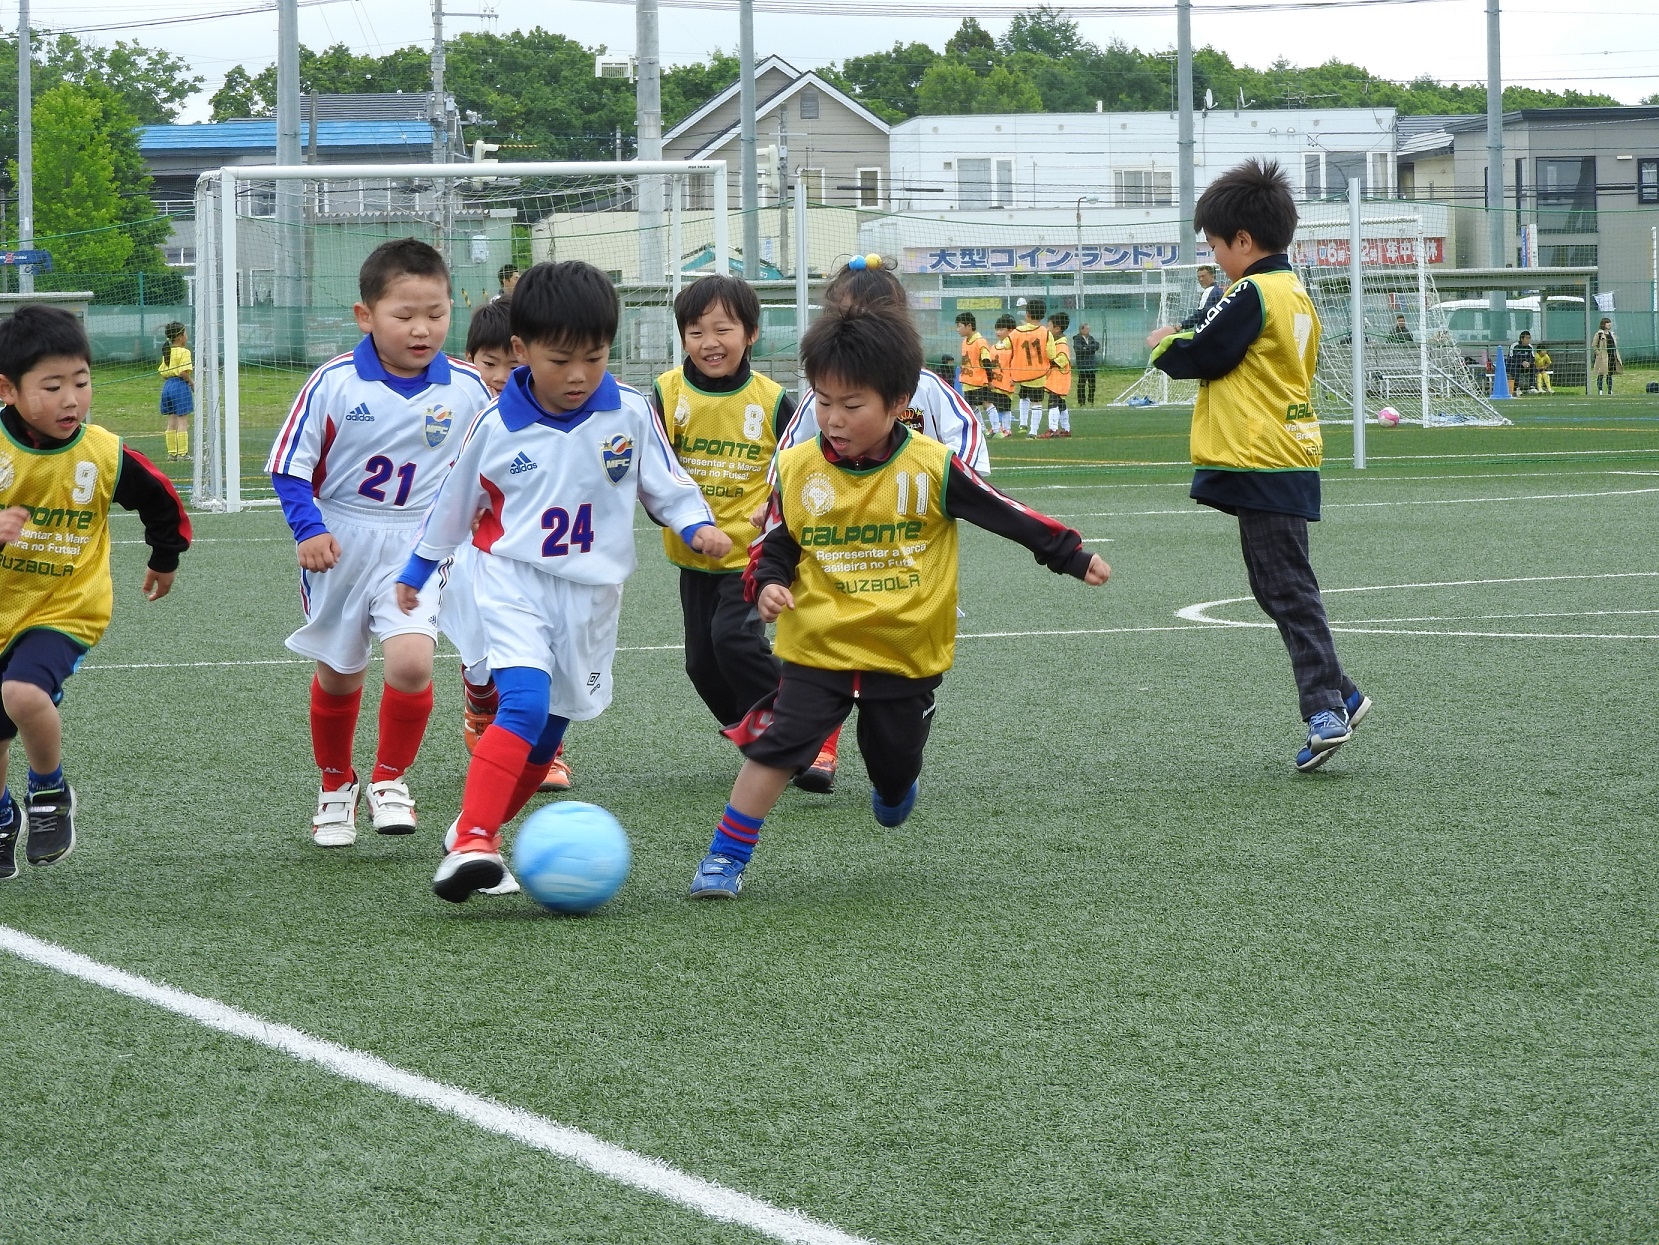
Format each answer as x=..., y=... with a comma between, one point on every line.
x=862, y=621
x=1543, y=363
x=556, y=465
x=1002, y=383
x=355, y=465
x=59, y=476
x=1255, y=436
x=1058, y=382
x=1029, y=365
x=723, y=419
x=490, y=350
x=178, y=398
x=979, y=362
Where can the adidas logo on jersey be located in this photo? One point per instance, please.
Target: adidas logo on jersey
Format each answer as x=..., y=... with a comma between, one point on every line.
x=521, y=464
x=360, y=414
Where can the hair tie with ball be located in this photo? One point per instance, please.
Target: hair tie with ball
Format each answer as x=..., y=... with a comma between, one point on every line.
x=856, y=263
x=873, y=260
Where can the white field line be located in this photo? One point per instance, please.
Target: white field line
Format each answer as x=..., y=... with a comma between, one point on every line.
x=1376, y=458
x=584, y=1149
x=1200, y=613
x=1195, y=508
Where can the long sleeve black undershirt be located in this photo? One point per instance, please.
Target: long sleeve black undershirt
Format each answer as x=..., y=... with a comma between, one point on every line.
x=139, y=486
x=1220, y=342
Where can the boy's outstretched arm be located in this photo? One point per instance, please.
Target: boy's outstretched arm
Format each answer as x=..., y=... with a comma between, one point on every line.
x=1216, y=346
x=1056, y=546
x=140, y=486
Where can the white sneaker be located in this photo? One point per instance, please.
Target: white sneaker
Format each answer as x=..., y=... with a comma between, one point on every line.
x=392, y=806
x=463, y=873
x=508, y=884
x=335, y=824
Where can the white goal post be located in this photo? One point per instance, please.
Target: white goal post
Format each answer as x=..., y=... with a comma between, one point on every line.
x=222, y=284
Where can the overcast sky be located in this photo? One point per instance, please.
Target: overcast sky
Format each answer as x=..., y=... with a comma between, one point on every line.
x=1601, y=45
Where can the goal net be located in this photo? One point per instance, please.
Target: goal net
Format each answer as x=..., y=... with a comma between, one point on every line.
x=278, y=253
x=1175, y=293
x=1408, y=357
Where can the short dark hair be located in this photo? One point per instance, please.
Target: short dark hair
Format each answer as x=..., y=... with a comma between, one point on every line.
x=737, y=296
x=570, y=303
x=491, y=328
x=35, y=332
x=401, y=257
x=1035, y=309
x=1253, y=198
x=1526, y=332
x=1006, y=321
x=1060, y=320
x=967, y=317
x=505, y=271
x=870, y=288
x=864, y=346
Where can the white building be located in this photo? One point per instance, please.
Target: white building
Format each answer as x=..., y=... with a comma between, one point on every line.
x=1127, y=160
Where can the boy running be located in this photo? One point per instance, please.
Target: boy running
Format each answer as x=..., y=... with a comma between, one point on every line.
x=59, y=475
x=1255, y=436
x=858, y=568
x=355, y=465
x=555, y=465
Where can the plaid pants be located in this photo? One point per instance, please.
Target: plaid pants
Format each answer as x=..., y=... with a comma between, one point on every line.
x=1281, y=577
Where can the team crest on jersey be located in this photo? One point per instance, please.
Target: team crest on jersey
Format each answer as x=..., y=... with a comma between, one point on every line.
x=8, y=472
x=682, y=411
x=912, y=419
x=619, y=456
x=817, y=494
x=438, y=423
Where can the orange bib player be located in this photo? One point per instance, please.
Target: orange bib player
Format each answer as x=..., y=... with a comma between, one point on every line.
x=1058, y=382
x=1002, y=384
x=1029, y=366
x=979, y=366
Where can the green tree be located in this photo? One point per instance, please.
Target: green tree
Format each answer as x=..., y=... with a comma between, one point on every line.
x=973, y=46
x=886, y=82
x=1045, y=32
x=949, y=88
x=686, y=88
x=149, y=82
x=78, y=206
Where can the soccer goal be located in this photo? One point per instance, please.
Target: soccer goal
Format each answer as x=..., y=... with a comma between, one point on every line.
x=278, y=251
x=1169, y=299
x=1409, y=359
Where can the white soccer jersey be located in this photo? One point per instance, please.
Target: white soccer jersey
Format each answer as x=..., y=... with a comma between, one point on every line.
x=366, y=447
x=559, y=491
x=936, y=410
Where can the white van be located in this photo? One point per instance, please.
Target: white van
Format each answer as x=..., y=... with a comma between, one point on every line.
x=1467, y=318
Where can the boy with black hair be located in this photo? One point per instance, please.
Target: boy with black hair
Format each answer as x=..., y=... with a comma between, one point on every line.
x=1058, y=381
x=1255, y=436
x=1002, y=384
x=490, y=344
x=362, y=453
x=979, y=365
x=858, y=568
x=59, y=475
x=1028, y=367
x=723, y=420
x=555, y=465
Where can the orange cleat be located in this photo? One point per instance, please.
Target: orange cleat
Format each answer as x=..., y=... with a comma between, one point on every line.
x=473, y=726
x=819, y=777
x=558, y=774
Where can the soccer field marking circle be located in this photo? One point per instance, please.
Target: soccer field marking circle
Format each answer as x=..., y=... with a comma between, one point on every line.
x=1200, y=613
x=612, y=1162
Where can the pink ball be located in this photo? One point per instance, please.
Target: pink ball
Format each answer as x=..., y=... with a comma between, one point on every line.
x=1388, y=417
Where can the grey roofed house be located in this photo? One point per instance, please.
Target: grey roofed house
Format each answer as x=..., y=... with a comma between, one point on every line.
x=841, y=145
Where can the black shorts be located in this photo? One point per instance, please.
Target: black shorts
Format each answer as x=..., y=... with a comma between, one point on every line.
x=979, y=397
x=40, y=658
x=895, y=714
x=1004, y=402
x=1035, y=393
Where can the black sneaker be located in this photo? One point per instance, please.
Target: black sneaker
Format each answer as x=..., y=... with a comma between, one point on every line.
x=8, y=846
x=51, y=824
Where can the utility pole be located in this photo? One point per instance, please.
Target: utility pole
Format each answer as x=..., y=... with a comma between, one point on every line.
x=290, y=240
x=1497, y=236
x=784, y=181
x=749, y=173
x=1184, y=146
x=440, y=123
x=25, y=148
x=648, y=122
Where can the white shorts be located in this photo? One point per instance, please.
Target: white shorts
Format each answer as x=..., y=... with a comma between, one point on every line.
x=565, y=629
x=355, y=601
x=458, y=616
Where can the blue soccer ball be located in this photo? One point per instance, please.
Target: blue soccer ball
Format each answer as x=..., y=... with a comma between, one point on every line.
x=571, y=857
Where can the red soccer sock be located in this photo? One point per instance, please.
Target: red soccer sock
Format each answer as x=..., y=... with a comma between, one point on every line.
x=529, y=782
x=498, y=765
x=403, y=718
x=832, y=745
x=333, y=730
x=486, y=699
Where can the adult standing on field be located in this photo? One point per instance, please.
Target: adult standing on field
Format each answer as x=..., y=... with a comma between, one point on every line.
x=1209, y=295
x=1085, y=357
x=1604, y=352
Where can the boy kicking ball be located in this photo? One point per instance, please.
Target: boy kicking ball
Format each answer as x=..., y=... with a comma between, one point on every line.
x=369, y=441
x=59, y=476
x=1255, y=436
x=858, y=569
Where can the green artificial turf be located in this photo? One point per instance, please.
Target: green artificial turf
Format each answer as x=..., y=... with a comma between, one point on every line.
x=1124, y=976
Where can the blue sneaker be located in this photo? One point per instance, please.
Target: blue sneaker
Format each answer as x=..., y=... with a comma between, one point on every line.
x=1357, y=705
x=1328, y=730
x=718, y=877
x=891, y=815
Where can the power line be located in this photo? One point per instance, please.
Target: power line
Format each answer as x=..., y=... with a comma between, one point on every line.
x=175, y=21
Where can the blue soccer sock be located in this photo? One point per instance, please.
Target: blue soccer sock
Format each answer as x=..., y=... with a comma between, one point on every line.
x=736, y=835
x=45, y=782
x=8, y=810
